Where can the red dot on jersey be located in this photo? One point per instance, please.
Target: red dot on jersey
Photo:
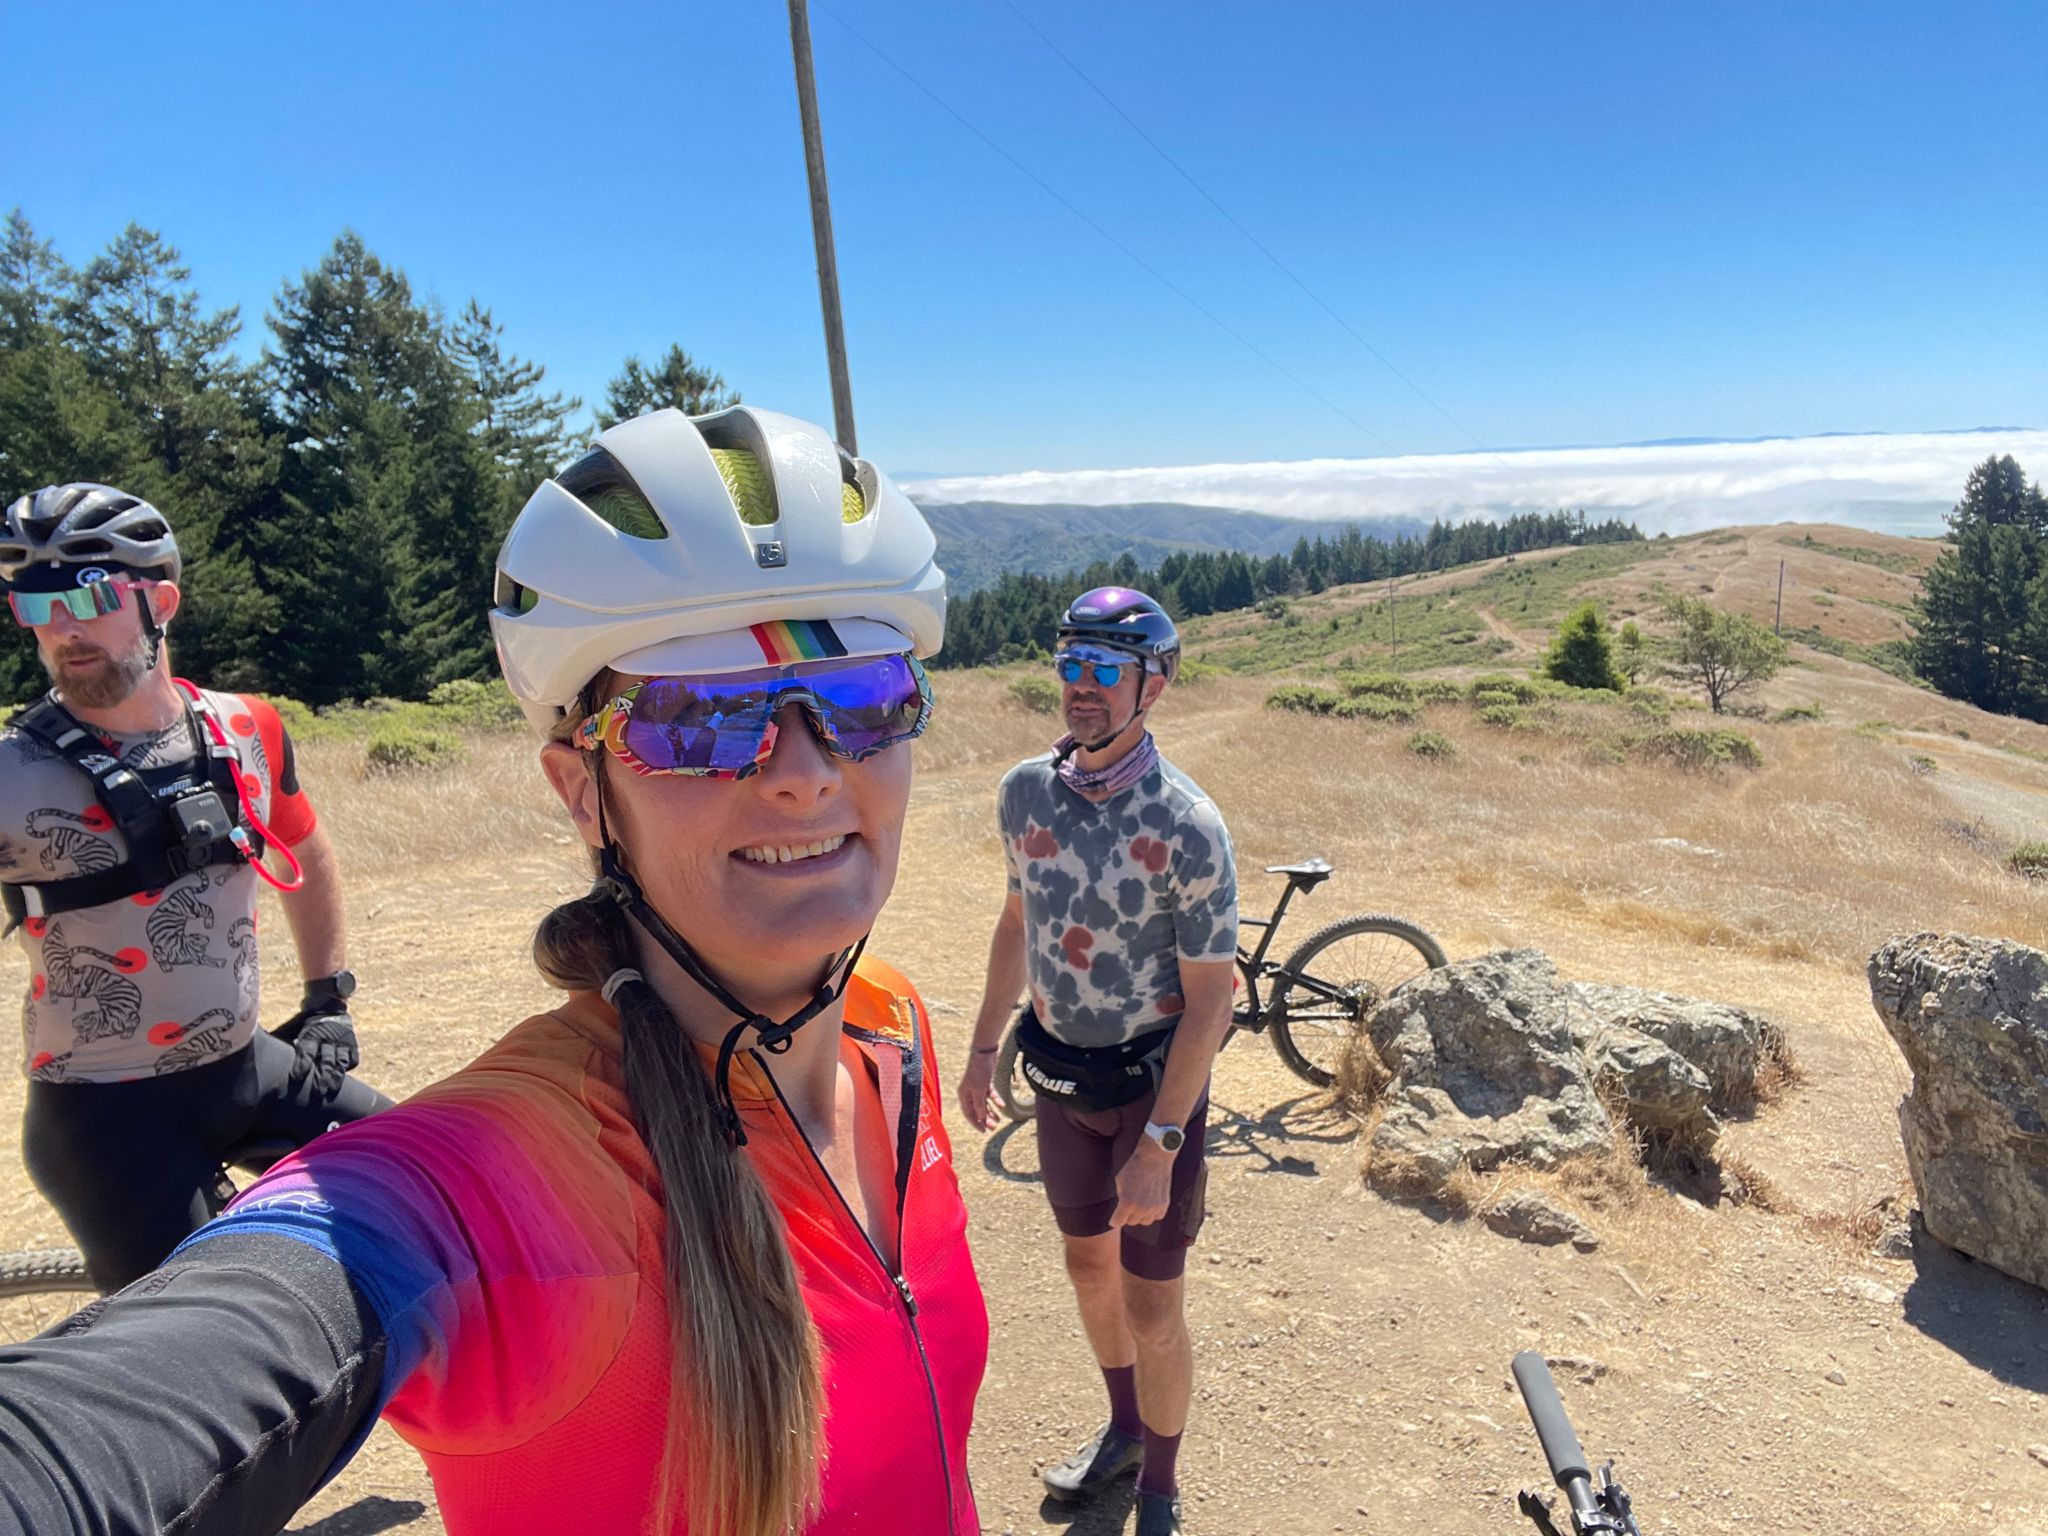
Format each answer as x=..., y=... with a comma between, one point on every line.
x=245, y=725
x=37, y=927
x=130, y=960
x=97, y=818
x=41, y=1060
x=170, y=1032
x=37, y=986
x=147, y=898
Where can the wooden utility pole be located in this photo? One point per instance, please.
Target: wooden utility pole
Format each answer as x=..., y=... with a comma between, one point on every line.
x=821, y=224
x=1778, y=624
x=1393, y=634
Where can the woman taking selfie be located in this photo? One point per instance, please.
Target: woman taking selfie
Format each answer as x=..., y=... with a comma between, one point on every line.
x=687, y=1253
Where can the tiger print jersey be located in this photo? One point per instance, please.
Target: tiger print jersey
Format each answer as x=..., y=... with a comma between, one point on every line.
x=161, y=981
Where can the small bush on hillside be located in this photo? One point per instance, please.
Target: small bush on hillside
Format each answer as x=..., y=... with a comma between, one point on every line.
x=1437, y=690
x=401, y=746
x=1499, y=688
x=1795, y=712
x=1506, y=716
x=1305, y=698
x=474, y=705
x=300, y=723
x=1690, y=748
x=1582, y=655
x=1651, y=705
x=1922, y=764
x=1432, y=744
x=1373, y=706
x=1040, y=695
x=2029, y=861
x=1872, y=730
x=1384, y=684
x=1192, y=672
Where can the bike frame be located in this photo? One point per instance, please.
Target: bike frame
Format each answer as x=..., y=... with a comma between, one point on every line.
x=1253, y=1014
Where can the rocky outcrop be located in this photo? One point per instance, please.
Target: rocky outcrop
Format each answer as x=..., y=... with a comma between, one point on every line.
x=1971, y=1016
x=1727, y=1045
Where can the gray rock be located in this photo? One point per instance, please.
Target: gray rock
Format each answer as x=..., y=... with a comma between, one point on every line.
x=1663, y=1091
x=1971, y=1016
x=1727, y=1044
x=1527, y=1215
x=1486, y=1070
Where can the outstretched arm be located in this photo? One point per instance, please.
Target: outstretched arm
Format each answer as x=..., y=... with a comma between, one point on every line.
x=214, y=1396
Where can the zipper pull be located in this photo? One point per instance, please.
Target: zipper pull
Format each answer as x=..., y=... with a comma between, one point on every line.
x=903, y=1290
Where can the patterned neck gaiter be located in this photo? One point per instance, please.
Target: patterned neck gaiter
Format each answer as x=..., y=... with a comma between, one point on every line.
x=1117, y=777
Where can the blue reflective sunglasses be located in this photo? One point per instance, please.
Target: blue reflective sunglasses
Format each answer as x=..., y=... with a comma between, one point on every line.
x=94, y=600
x=1072, y=666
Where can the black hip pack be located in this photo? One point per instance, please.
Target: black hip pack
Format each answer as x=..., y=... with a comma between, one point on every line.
x=1108, y=1078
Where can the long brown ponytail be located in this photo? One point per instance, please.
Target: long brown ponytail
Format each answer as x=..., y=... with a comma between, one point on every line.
x=746, y=1401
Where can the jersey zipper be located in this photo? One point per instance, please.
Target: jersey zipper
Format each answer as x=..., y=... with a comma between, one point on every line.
x=895, y=1276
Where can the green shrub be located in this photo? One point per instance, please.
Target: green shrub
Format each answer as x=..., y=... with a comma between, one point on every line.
x=1373, y=706
x=1383, y=684
x=1921, y=764
x=1432, y=744
x=1437, y=690
x=1192, y=672
x=1040, y=695
x=472, y=704
x=1652, y=705
x=1305, y=698
x=300, y=723
x=1507, y=716
x=400, y=746
x=1499, y=688
x=1794, y=712
x=1691, y=748
x=1872, y=730
x=2029, y=861
x=1582, y=654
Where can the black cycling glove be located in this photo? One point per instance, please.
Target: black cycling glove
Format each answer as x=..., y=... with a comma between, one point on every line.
x=324, y=1036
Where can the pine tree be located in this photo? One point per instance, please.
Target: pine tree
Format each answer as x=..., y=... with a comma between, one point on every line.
x=686, y=385
x=1582, y=654
x=1978, y=629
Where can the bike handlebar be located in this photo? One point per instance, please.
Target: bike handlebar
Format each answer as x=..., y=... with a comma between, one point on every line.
x=1546, y=1411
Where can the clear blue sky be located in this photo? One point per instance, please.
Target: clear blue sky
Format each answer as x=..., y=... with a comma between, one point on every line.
x=1568, y=223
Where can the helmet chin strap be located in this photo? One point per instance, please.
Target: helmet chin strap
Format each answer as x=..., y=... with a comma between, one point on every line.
x=775, y=1037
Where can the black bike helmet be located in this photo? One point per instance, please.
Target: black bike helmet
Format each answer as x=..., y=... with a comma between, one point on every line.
x=85, y=524
x=1124, y=619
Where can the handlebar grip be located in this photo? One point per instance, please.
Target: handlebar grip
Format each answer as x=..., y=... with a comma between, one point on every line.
x=1546, y=1412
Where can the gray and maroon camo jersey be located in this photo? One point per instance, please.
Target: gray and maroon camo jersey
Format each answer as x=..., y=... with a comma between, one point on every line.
x=161, y=981
x=1115, y=896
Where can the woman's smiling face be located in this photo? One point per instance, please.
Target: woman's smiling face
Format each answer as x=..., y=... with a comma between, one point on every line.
x=767, y=877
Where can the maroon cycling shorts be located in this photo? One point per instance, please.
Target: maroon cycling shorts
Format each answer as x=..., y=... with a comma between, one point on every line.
x=1079, y=1153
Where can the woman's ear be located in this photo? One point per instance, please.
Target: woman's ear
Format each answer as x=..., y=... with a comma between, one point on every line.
x=570, y=775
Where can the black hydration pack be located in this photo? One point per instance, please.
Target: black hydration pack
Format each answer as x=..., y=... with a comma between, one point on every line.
x=1108, y=1078
x=174, y=819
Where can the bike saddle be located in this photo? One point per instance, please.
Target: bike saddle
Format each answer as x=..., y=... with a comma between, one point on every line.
x=1308, y=874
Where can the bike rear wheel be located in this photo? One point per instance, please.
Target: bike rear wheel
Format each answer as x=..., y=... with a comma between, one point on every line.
x=1020, y=1099
x=1335, y=979
x=40, y=1287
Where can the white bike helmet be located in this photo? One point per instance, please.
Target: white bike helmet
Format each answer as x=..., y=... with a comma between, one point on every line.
x=684, y=544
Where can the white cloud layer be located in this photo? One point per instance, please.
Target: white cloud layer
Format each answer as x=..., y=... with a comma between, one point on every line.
x=1895, y=483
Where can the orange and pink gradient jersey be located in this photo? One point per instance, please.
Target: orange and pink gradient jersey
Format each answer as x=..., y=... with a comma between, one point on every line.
x=506, y=1226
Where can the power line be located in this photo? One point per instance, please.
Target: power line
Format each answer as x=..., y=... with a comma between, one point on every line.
x=1052, y=192
x=1256, y=243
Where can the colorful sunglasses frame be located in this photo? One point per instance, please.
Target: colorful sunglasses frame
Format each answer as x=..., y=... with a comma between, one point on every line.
x=89, y=600
x=606, y=728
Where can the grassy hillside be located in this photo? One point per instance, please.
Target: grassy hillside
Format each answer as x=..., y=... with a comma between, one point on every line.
x=1847, y=594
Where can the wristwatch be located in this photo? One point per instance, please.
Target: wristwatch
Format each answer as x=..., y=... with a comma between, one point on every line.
x=338, y=988
x=1170, y=1137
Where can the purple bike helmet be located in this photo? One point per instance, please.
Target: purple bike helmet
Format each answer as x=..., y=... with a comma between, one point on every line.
x=1124, y=619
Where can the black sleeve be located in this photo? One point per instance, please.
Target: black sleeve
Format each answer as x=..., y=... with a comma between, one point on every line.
x=213, y=1396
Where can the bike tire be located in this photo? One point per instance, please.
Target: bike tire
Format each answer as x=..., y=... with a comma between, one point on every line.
x=40, y=1287
x=1309, y=1031
x=1020, y=1099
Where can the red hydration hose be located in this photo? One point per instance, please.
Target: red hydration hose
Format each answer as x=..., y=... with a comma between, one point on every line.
x=239, y=837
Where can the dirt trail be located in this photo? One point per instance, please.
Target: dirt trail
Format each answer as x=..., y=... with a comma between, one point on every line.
x=1351, y=1353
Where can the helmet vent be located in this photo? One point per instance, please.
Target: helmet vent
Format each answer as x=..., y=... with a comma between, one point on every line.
x=601, y=483
x=747, y=479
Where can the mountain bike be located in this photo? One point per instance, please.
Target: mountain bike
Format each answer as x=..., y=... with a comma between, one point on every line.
x=40, y=1287
x=1314, y=1003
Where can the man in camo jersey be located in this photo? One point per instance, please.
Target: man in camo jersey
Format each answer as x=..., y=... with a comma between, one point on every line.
x=1122, y=919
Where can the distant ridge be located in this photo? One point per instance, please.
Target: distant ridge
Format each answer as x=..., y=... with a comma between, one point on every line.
x=979, y=540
